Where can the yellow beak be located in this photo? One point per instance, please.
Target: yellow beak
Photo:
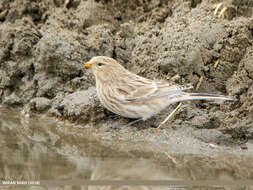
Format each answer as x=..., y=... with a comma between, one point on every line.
x=88, y=65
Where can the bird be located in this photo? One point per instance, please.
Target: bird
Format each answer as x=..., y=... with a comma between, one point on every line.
x=132, y=96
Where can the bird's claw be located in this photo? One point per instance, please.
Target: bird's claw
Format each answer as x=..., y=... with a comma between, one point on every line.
x=116, y=126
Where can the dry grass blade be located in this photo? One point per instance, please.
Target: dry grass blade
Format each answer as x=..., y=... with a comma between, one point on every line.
x=199, y=83
x=216, y=63
x=171, y=115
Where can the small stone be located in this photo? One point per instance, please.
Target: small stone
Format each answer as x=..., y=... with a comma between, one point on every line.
x=249, y=67
x=205, y=121
x=40, y=104
x=208, y=135
x=244, y=147
x=12, y=100
x=60, y=107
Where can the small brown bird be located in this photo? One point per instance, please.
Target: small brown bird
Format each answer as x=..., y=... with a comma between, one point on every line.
x=133, y=96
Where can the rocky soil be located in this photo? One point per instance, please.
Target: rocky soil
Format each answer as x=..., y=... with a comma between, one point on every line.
x=43, y=45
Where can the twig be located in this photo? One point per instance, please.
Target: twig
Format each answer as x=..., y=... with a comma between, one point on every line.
x=216, y=63
x=66, y=3
x=199, y=83
x=217, y=7
x=222, y=12
x=171, y=115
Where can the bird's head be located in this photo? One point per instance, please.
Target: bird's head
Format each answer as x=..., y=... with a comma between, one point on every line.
x=105, y=68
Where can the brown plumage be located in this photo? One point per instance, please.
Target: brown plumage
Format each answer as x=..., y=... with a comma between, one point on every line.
x=133, y=96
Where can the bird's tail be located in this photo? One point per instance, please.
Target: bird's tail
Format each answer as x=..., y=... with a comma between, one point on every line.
x=206, y=96
x=199, y=96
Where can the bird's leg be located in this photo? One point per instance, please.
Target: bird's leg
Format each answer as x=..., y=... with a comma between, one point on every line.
x=110, y=115
x=114, y=116
x=133, y=122
x=128, y=124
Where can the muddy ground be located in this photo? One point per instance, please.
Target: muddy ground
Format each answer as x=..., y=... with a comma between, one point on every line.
x=43, y=45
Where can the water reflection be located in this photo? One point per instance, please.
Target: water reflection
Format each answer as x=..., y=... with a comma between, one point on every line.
x=39, y=149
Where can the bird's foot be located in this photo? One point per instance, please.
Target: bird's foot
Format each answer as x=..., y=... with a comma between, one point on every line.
x=116, y=127
x=126, y=125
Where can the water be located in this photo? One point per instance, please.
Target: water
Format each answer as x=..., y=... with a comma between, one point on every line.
x=35, y=149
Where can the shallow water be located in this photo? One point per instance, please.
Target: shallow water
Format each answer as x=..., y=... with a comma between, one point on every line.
x=39, y=148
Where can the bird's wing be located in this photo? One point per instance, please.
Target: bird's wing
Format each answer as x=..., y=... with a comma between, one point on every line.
x=141, y=88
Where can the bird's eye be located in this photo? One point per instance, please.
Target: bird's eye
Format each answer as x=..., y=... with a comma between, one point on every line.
x=100, y=64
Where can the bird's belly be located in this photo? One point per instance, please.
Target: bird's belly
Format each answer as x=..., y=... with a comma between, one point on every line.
x=134, y=109
x=147, y=108
x=128, y=111
x=142, y=110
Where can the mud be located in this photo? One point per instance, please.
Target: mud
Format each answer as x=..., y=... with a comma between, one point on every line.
x=40, y=148
x=43, y=46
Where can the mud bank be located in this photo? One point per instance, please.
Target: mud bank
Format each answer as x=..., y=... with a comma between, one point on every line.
x=43, y=46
